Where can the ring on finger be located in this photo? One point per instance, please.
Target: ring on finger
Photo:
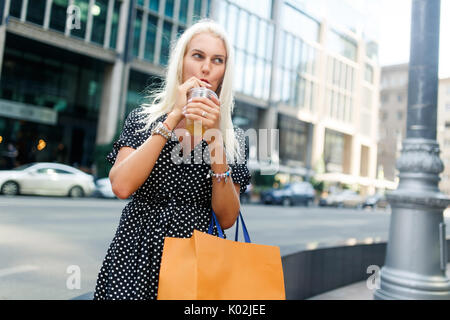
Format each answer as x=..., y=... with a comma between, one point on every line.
x=204, y=113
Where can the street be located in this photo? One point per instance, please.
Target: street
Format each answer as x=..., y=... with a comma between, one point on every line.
x=44, y=240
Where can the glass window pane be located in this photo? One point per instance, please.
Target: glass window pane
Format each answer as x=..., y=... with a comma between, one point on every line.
x=169, y=8
x=115, y=24
x=231, y=23
x=15, y=8
x=268, y=73
x=84, y=6
x=262, y=36
x=342, y=45
x=238, y=75
x=180, y=31
x=312, y=57
x=150, y=38
x=311, y=103
x=298, y=23
x=183, y=11
x=137, y=32
x=197, y=9
x=286, y=89
x=269, y=45
x=36, y=11
x=208, y=8
x=249, y=75
x=288, y=52
x=58, y=15
x=262, y=8
x=154, y=5
x=99, y=12
x=242, y=34
x=140, y=2
x=259, y=79
x=221, y=12
x=252, y=34
x=165, y=43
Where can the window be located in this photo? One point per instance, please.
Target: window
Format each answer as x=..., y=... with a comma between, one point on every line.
x=58, y=15
x=99, y=21
x=36, y=11
x=60, y=171
x=262, y=8
x=137, y=32
x=298, y=23
x=342, y=45
x=399, y=115
x=150, y=38
x=84, y=7
x=368, y=75
x=15, y=8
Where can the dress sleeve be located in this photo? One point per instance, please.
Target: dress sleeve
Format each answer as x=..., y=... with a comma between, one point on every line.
x=239, y=170
x=129, y=137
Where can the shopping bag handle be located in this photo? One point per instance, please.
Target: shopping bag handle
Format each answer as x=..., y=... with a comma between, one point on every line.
x=219, y=229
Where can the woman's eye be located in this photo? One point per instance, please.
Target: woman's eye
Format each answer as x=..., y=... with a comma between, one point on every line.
x=197, y=55
x=219, y=60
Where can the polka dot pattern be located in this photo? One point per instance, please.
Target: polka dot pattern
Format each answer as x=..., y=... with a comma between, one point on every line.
x=173, y=201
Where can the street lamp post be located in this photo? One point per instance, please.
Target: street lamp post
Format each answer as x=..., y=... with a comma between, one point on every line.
x=415, y=265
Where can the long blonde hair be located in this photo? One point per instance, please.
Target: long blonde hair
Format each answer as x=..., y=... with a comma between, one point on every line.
x=162, y=100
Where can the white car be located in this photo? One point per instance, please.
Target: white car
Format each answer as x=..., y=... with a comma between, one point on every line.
x=46, y=178
x=104, y=189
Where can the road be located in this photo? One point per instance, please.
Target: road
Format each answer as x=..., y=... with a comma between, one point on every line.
x=45, y=242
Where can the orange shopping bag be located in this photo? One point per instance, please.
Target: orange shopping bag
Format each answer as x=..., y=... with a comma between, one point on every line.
x=206, y=267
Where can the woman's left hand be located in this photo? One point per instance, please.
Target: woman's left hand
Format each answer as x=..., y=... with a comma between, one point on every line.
x=205, y=110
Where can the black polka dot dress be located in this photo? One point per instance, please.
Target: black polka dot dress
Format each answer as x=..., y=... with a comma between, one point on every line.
x=173, y=201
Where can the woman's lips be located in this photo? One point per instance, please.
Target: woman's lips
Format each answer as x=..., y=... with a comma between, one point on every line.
x=205, y=80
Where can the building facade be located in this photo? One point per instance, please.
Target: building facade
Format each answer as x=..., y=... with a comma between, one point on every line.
x=443, y=132
x=71, y=70
x=392, y=128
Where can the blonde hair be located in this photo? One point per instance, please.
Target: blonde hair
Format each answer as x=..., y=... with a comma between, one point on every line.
x=162, y=100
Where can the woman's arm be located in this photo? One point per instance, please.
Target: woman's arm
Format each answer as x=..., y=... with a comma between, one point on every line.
x=225, y=195
x=133, y=166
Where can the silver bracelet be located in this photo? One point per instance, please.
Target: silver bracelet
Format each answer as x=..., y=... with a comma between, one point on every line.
x=161, y=129
x=220, y=176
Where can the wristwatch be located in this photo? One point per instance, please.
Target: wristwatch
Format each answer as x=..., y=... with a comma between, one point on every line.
x=161, y=129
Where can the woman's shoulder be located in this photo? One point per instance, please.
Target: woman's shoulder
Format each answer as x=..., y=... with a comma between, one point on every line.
x=138, y=117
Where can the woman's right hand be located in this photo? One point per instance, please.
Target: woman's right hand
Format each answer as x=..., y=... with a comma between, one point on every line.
x=181, y=100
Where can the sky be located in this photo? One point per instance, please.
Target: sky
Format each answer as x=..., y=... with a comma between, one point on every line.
x=394, y=34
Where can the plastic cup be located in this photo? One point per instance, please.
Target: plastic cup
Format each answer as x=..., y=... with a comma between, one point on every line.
x=195, y=128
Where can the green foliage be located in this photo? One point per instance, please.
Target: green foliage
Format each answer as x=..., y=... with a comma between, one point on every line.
x=263, y=180
x=317, y=185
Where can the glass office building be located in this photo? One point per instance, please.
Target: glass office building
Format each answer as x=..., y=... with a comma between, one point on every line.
x=71, y=70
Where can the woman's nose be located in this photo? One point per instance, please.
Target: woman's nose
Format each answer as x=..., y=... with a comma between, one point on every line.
x=206, y=66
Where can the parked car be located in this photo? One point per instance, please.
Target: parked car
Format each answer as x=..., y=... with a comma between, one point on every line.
x=291, y=194
x=45, y=178
x=345, y=198
x=246, y=196
x=103, y=189
x=376, y=201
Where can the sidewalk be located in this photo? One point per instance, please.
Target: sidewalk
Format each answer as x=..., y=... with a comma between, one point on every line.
x=355, y=291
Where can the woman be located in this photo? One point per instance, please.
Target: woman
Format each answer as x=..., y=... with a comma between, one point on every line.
x=171, y=198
